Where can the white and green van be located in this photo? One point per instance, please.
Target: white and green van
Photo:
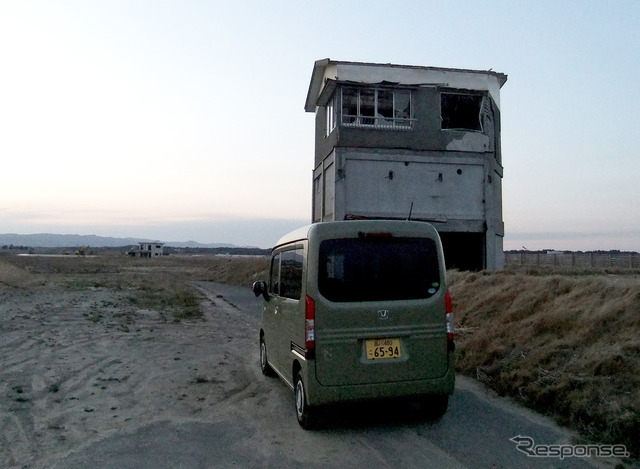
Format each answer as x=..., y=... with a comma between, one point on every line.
x=357, y=310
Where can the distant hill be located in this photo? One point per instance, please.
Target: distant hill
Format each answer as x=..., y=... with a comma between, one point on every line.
x=49, y=240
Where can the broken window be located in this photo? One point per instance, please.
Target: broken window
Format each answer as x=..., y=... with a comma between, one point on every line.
x=385, y=104
x=367, y=107
x=402, y=105
x=370, y=107
x=349, y=106
x=461, y=111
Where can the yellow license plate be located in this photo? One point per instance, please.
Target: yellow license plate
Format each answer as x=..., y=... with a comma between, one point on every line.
x=381, y=349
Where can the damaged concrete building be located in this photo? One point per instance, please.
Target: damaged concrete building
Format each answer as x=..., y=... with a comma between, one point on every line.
x=399, y=142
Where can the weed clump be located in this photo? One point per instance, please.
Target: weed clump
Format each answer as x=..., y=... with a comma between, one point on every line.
x=166, y=294
x=237, y=270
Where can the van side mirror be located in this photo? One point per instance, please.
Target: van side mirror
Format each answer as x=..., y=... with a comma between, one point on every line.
x=260, y=288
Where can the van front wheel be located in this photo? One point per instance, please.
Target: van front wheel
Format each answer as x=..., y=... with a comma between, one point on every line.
x=305, y=414
x=264, y=364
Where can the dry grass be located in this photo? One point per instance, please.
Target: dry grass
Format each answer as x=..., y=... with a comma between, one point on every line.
x=241, y=271
x=12, y=276
x=162, y=284
x=568, y=346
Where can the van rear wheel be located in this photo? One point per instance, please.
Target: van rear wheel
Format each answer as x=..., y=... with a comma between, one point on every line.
x=304, y=413
x=435, y=406
x=264, y=364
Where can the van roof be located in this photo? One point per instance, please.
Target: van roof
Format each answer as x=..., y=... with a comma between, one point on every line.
x=350, y=227
x=295, y=235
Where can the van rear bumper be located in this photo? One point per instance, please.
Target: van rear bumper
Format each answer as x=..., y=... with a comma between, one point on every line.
x=318, y=394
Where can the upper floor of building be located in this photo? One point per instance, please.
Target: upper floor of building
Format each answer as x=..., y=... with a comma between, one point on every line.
x=418, y=108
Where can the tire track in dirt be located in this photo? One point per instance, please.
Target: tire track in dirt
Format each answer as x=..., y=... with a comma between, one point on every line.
x=15, y=438
x=245, y=385
x=70, y=373
x=228, y=312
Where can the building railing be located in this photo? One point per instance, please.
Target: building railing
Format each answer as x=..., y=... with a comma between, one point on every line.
x=587, y=260
x=378, y=122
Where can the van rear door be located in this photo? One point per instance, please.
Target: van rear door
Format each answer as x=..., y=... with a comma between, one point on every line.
x=380, y=312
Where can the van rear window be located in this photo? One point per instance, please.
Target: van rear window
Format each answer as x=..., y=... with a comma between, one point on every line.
x=378, y=269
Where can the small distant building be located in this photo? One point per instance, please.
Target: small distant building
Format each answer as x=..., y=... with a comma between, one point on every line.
x=155, y=249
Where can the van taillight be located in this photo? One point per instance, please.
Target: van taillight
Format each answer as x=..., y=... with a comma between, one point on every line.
x=310, y=327
x=449, y=315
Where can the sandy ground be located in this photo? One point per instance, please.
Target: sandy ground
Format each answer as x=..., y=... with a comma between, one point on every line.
x=77, y=366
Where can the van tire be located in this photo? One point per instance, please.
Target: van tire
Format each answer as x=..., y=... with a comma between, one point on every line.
x=305, y=414
x=435, y=406
x=264, y=364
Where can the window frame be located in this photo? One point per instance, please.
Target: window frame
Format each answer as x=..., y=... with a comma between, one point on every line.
x=331, y=116
x=369, y=115
x=276, y=272
x=463, y=93
x=274, y=279
x=349, y=273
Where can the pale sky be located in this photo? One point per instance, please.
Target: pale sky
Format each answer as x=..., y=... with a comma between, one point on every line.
x=184, y=120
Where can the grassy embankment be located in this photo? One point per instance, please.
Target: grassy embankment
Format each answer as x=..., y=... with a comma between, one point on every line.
x=566, y=344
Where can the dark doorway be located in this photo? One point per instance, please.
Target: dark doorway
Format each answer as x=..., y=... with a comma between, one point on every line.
x=464, y=251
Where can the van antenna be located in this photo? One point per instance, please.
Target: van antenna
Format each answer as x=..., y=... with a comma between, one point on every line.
x=410, y=211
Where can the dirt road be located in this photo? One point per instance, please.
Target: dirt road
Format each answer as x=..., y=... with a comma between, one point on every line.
x=89, y=380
